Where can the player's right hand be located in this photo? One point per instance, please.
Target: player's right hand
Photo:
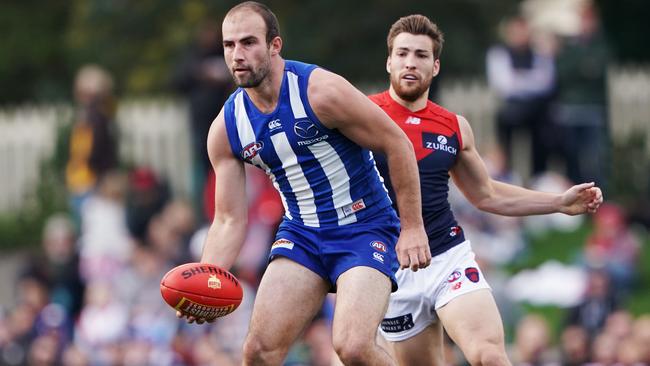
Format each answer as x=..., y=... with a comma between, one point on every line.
x=191, y=319
x=413, y=249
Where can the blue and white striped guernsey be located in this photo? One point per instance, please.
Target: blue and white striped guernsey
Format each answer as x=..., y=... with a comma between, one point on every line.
x=324, y=179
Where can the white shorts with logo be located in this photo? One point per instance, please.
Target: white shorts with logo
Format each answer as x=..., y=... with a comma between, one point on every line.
x=413, y=307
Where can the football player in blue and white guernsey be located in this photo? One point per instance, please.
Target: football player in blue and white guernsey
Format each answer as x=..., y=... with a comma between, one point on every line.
x=311, y=132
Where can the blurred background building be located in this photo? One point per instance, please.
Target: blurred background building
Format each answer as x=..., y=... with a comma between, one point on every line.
x=105, y=186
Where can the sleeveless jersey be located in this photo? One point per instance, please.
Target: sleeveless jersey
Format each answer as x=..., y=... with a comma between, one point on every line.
x=436, y=139
x=324, y=179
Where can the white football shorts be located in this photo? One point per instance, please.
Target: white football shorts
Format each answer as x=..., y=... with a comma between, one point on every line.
x=413, y=306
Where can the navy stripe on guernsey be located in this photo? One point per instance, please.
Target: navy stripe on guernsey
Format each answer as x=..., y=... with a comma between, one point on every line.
x=319, y=173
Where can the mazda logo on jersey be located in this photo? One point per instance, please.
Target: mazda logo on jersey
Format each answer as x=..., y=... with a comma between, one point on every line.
x=437, y=142
x=250, y=151
x=305, y=129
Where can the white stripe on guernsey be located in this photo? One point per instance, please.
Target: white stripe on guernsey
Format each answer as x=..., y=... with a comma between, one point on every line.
x=247, y=136
x=299, y=184
x=381, y=179
x=334, y=169
x=294, y=96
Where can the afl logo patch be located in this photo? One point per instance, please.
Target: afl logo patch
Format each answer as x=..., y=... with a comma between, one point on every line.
x=378, y=246
x=454, y=276
x=250, y=151
x=305, y=129
x=472, y=274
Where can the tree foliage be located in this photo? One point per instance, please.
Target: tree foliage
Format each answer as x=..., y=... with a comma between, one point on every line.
x=139, y=42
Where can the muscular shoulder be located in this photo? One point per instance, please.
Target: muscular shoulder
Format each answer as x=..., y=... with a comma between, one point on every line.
x=218, y=144
x=327, y=92
x=325, y=88
x=465, y=132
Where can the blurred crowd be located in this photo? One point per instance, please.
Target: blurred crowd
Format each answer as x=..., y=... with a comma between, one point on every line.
x=90, y=295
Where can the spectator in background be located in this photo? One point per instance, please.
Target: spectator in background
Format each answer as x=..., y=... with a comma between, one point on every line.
x=524, y=80
x=532, y=344
x=613, y=246
x=574, y=346
x=92, y=142
x=105, y=244
x=598, y=303
x=581, y=111
x=203, y=78
x=146, y=196
x=58, y=264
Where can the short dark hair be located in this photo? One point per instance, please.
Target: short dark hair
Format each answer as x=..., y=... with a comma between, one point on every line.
x=270, y=20
x=419, y=25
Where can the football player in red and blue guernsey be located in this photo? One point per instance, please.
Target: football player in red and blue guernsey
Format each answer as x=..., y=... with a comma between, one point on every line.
x=452, y=291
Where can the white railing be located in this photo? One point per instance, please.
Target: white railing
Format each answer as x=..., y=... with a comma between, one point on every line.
x=152, y=133
x=155, y=133
x=27, y=137
x=629, y=101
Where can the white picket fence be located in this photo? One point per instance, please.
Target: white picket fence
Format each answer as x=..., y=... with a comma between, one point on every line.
x=155, y=133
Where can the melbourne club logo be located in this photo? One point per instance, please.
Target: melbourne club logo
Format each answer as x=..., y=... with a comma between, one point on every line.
x=305, y=129
x=472, y=274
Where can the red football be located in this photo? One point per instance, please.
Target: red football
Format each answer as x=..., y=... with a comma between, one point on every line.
x=201, y=290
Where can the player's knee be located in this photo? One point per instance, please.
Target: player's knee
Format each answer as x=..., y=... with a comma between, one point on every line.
x=258, y=351
x=487, y=355
x=353, y=350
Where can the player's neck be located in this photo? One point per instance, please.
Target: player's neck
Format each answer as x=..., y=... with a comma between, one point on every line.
x=266, y=95
x=413, y=106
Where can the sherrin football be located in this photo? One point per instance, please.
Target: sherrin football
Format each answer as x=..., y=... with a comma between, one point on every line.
x=201, y=290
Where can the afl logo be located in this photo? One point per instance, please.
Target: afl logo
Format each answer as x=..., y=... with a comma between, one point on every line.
x=442, y=140
x=305, y=129
x=379, y=246
x=454, y=276
x=250, y=151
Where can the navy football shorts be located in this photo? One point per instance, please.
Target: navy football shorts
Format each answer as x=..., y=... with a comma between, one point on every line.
x=330, y=251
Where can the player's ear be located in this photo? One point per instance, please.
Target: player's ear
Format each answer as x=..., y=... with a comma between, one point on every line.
x=436, y=67
x=276, y=46
x=388, y=64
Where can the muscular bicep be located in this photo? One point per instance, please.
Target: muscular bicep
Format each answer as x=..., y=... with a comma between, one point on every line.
x=469, y=173
x=230, y=177
x=341, y=106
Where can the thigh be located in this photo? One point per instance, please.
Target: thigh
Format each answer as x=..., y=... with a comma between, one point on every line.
x=361, y=301
x=288, y=298
x=425, y=348
x=472, y=320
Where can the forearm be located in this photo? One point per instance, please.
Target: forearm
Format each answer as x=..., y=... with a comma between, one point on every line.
x=510, y=200
x=223, y=243
x=406, y=183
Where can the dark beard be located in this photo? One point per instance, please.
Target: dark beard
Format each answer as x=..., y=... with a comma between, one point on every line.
x=410, y=94
x=255, y=78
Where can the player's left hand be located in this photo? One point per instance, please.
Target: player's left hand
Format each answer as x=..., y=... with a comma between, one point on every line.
x=413, y=249
x=191, y=319
x=581, y=198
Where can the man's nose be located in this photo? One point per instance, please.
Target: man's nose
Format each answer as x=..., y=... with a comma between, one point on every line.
x=238, y=53
x=409, y=62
